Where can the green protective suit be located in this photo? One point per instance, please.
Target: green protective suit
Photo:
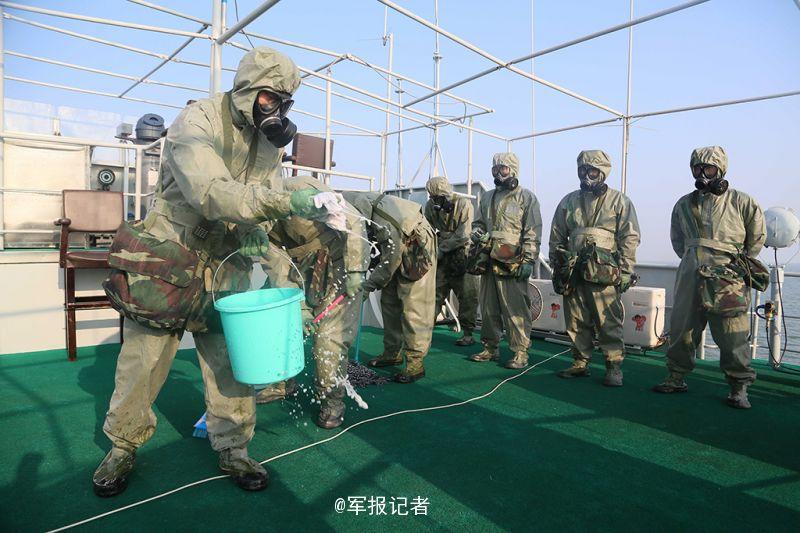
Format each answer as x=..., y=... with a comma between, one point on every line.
x=324, y=257
x=513, y=220
x=610, y=221
x=452, y=231
x=407, y=305
x=199, y=183
x=728, y=222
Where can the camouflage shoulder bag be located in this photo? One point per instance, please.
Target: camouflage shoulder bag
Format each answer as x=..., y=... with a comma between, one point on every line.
x=154, y=282
x=723, y=291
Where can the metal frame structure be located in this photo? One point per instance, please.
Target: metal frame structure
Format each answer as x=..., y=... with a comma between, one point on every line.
x=220, y=36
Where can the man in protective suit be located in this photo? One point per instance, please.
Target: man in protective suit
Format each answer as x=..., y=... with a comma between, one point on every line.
x=219, y=179
x=406, y=276
x=332, y=263
x=711, y=227
x=507, y=231
x=593, y=243
x=451, y=218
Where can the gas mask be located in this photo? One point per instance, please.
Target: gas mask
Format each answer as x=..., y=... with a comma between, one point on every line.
x=707, y=178
x=592, y=180
x=272, y=122
x=442, y=203
x=504, y=181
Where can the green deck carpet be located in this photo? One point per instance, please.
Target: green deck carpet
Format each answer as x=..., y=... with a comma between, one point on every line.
x=540, y=454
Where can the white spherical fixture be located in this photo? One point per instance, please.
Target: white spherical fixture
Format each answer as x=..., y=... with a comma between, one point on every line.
x=783, y=227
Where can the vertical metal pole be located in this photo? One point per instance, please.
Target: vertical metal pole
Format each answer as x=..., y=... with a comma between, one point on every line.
x=126, y=179
x=508, y=146
x=216, y=49
x=437, y=58
x=626, y=121
x=400, y=135
x=137, y=199
x=328, y=125
x=754, y=324
x=469, y=157
x=385, y=141
x=776, y=284
x=533, y=115
x=384, y=178
x=3, y=130
x=701, y=350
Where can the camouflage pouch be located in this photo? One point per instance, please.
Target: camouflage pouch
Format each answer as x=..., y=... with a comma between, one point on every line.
x=601, y=266
x=723, y=291
x=416, y=261
x=155, y=282
x=563, y=272
x=455, y=262
x=477, y=259
x=506, y=270
x=506, y=255
x=754, y=273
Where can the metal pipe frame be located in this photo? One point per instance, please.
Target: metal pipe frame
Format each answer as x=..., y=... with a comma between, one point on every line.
x=103, y=72
x=88, y=91
x=557, y=47
x=500, y=63
x=353, y=175
x=626, y=121
x=438, y=123
x=96, y=20
x=169, y=11
x=345, y=124
x=247, y=19
x=717, y=104
x=566, y=128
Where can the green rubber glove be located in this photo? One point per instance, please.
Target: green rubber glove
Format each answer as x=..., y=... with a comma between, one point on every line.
x=302, y=204
x=309, y=328
x=627, y=281
x=254, y=243
x=525, y=271
x=353, y=283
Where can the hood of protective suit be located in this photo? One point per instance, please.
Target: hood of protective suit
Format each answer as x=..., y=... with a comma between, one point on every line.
x=261, y=69
x=710, y=155
x=362, y=201
x=597, y=159
x=508, y=159
x=439, y=186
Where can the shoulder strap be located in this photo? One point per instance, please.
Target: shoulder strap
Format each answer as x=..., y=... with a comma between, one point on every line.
x=227, y=139
x=599, y=205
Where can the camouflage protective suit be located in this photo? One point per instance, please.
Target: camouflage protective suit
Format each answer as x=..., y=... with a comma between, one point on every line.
x=452, y=232
x=407, y=305
x=513, y=221
x=730, y=222
x=324, y=257
x=608, y=220
x=201, y=183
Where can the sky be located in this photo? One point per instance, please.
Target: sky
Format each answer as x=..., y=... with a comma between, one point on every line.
x=717, y=51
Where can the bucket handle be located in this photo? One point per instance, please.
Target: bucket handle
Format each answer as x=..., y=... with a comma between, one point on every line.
x=284, y=255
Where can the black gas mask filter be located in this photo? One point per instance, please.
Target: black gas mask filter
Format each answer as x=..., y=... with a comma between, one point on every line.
x=707, y=178
x=442, y=203
x=272, y=122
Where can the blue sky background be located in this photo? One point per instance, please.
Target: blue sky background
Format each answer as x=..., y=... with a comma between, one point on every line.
x=725, y=49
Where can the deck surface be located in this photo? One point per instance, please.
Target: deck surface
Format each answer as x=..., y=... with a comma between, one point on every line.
x=540, y=453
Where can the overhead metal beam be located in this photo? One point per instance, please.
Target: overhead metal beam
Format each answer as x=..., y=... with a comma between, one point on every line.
x=439, y=123
x=170, y=11
x=144, y=79
x=561, y=46
x=567, y=128
x=99, y=71
x=88, y=91
x=499, y=62
x=97, y=20
x=717, y=104
x=247, y=19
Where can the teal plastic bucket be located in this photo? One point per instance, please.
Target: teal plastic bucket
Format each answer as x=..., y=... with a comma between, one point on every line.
x=264, y=334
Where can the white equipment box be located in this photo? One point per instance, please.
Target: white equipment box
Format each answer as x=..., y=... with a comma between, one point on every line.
x=547, y=306
x=643, y=321
x=644, y=315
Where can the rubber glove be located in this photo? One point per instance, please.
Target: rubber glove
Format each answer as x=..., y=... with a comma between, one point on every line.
x=309, y=328
x=525, y=271
x=627, y=280
x=353, y=283
x=301, y=204
x=254, y=243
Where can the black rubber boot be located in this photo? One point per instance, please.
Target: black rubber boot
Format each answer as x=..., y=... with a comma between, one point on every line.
x=111, y=477
x=331, y=414
x=245, y=472
x=738, y=396
x=466, y=340
x=672, y=384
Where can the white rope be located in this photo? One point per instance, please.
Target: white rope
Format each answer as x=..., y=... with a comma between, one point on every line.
x=313, y=444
